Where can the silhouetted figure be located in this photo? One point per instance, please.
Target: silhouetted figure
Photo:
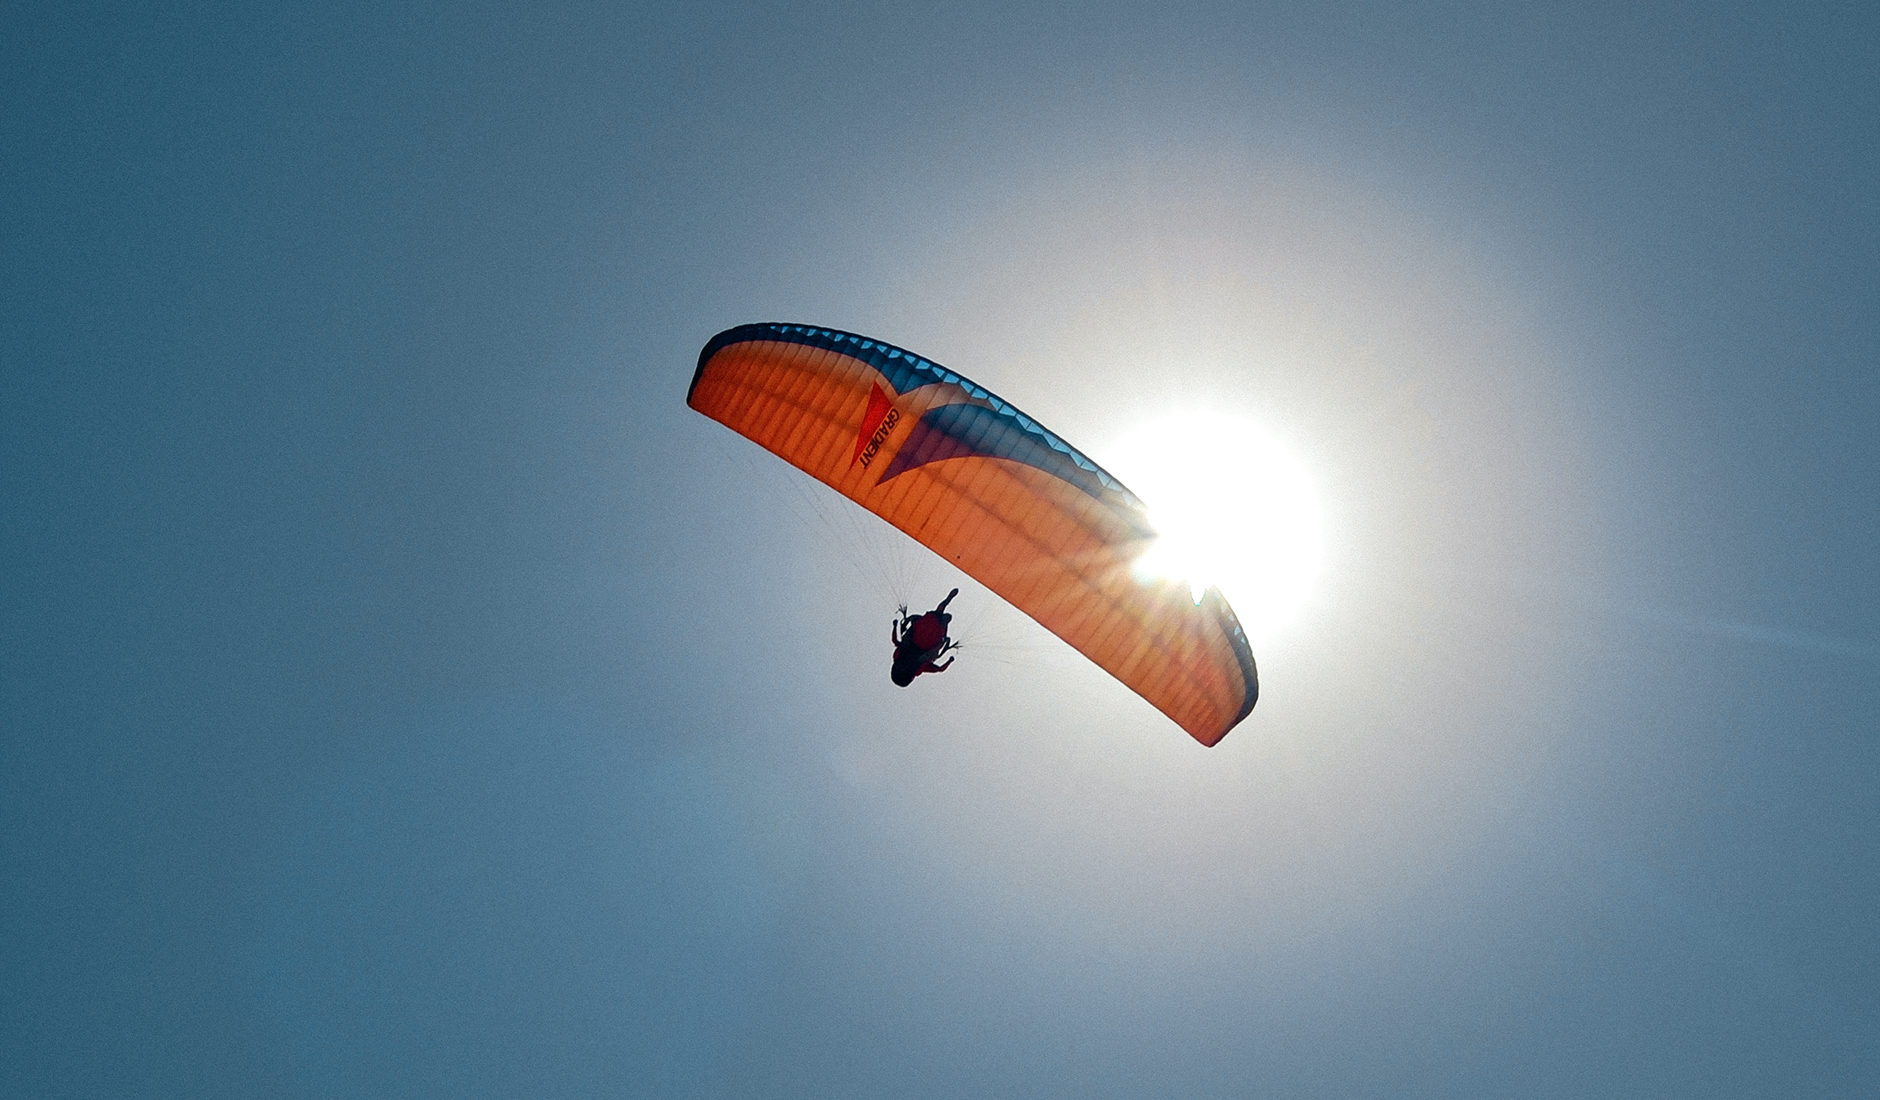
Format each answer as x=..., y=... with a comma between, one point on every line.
x=919, y=641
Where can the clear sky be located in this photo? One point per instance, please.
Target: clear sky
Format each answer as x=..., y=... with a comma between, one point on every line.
x=403, y=694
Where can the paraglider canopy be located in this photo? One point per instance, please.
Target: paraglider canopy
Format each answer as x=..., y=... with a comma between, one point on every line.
x=991, y=490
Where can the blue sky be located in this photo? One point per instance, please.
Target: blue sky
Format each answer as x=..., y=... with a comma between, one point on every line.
x=403, y=694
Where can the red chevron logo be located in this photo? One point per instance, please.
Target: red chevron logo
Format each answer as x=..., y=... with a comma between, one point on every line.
x=877, y=423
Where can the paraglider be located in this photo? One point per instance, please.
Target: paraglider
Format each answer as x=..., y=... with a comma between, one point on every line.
x=992, y=491
x=919, y=641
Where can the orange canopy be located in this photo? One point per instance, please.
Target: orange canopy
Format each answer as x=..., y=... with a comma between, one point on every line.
x=989, y=489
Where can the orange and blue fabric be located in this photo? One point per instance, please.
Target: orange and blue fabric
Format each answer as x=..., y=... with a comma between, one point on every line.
x=989, y=489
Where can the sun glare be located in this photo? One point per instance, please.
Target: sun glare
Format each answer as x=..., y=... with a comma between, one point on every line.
x=1235, y=510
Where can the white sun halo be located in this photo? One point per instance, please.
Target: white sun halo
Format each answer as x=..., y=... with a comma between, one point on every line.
x=1234, y=510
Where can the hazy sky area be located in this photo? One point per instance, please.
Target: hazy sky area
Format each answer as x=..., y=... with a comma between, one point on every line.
x=403, y=694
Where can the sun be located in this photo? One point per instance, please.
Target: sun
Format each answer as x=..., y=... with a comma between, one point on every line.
x=1234, y=508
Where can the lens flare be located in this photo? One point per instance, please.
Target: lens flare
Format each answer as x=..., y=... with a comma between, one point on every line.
x=1235, y=510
